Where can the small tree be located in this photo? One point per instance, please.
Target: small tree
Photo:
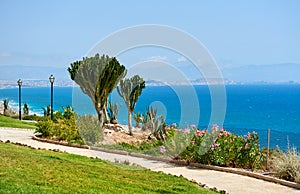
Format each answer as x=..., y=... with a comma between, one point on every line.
x=151, y=115
x=26, y=109
x=97, y=77
x=68, y=112
x=130, y=89
x=47, y=111
x=138, y=117
x=5, y=104
x=113, y=111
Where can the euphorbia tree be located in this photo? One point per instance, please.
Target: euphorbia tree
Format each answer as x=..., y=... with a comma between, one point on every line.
x=97, y=77
x=130, y=90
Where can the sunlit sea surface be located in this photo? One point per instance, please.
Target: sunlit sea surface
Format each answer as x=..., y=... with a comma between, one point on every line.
x=249, y=107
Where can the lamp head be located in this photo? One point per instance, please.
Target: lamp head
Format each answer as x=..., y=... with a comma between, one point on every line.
x=51, y=78
x=19, y=82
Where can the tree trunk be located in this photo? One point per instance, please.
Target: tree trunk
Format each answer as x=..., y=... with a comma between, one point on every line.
x=129, y=123
x=106, y=117
x=100, y=117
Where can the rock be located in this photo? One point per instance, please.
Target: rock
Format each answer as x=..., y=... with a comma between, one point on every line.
x=151, y=137
x=115, y=127
x=114, y=121
x=108, y=132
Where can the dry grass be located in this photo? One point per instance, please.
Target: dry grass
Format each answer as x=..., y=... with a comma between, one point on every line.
x=287, y=165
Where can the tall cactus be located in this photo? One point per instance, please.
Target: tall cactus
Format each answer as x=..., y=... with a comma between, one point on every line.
x=113, y=111
x=97, y=77
x=130, y=90
x=26, y=109
x=138, y=117
x=5, y=104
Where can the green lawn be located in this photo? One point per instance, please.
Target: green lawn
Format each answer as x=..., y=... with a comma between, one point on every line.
x=15, y=123
x=25, y=170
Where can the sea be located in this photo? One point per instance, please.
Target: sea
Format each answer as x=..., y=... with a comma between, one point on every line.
x=248, y=108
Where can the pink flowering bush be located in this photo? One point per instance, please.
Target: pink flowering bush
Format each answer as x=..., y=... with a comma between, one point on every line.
x=220, y=147
x=177, y=140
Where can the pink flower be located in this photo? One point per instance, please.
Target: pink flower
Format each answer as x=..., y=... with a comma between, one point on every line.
x=193, y=142
x=215, y=145
x=249, y=135
x=231, y=141
x=197, y=133
x=186, y=131
x=168, y=128
x=247, y=146
x=226, y=133
x=234, y=137
x=215, y=127
x=162, y=149
x=193, y=126
x=174, y=125
x=200, y=133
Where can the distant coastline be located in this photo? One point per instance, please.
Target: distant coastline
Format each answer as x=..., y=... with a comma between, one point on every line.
x=5, y=84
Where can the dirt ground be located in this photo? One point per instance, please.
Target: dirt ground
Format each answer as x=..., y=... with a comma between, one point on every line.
x=120, y=133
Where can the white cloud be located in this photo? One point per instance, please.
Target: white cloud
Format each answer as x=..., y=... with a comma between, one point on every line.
x=158, y=58
x=5, y=54
x=181, y=59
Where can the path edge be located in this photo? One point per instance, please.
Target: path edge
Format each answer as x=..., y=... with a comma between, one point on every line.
x=179, y=162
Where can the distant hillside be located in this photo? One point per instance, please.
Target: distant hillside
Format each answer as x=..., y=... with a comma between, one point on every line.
x=268, y=73
x=252, y=73
x=33, y=72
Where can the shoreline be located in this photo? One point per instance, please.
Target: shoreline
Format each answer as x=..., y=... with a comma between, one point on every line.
x=165, y=84
x=1, y=108
x=10, y=109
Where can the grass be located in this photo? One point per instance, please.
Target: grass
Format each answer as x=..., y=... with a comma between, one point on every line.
x=14, y=123
x=26, y=170
x=287, y=165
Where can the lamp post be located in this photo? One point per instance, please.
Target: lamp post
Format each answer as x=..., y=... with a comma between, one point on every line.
x=51, y=78
x=20, y=84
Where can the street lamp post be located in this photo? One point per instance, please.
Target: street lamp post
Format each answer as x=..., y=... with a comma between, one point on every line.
x=20, y=84
x=51, y=78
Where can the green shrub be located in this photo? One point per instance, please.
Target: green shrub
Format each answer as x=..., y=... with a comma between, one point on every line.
x=33, y=117
x=143, y=146
x=68, y=112
x=89, y=129
x=177, y=142
x=218, y=147
x=287, y=165
x=45, y=128
x=58, y=115
x=63, y=127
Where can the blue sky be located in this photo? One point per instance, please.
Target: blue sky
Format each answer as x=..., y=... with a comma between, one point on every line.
x=236, y=33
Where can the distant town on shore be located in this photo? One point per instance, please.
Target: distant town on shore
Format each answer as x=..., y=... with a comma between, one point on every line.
x=70, y=83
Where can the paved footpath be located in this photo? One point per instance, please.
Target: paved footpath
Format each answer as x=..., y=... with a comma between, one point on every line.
x=232, y=183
